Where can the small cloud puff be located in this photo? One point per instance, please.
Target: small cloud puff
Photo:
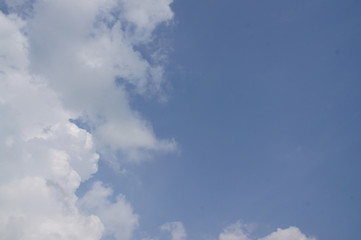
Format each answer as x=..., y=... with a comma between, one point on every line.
x=176, y=229
x=239, y=231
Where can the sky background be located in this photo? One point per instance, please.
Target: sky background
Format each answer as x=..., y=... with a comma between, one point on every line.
x=262, y=100
x=265, y=105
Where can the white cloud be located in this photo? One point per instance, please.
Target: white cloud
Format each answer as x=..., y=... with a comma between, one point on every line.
x=58, y=61
x=145, y=15
x=239, y=231
x=83, y=69
x=117, y=216
x=81, y=49
x=291, y=233
x=43, y=156
x=176, y=229
x=34, y=208
x=235, y=231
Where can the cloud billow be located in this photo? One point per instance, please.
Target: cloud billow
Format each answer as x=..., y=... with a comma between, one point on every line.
x=59, y=61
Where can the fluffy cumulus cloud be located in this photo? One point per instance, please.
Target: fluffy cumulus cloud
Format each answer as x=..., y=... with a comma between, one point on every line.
x=235, y=231
x=287, y=234
x=64, y=62
x=117, y=216
x=239, y=231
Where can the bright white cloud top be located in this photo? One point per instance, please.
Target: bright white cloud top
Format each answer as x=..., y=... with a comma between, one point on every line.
x=59, y=61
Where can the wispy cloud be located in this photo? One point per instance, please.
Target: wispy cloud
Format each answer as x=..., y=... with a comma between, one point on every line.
x=176, y=229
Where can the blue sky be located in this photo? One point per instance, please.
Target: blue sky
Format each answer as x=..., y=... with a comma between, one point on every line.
x=265, y=105
x=260, y=129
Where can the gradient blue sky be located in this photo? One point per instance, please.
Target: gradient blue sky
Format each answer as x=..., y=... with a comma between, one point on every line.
x=265, y=105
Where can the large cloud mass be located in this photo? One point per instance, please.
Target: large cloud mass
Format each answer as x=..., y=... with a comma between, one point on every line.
x=63, y=62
